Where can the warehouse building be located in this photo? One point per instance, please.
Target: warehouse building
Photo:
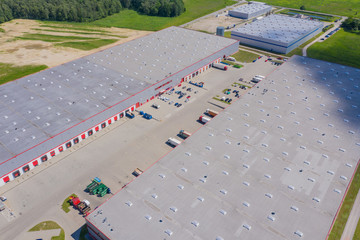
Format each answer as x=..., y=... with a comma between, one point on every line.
x=273, y=165
x=44, y=114
x=277, y=33
x=248, y=11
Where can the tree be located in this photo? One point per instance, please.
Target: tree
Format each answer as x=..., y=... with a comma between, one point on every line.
x=302, y=7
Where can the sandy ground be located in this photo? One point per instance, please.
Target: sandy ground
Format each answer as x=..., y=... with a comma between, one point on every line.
x=24, y=52
x=210, y=24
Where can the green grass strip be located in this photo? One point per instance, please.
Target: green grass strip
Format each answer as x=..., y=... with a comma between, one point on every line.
x=342, y=48
x=245, y=56
x=76, y=32
x=87, y=45
x=322, y=17
x=83, y=232
x=60, y=237
x=227, y=34
x=337, y=7
x=83, y=27
x=51, y=38
x=357, y=232
x=346, y=207
x=9, y=72
x=66, y=204
x=221, y=100
x=2, y=30
x=298, y=50
x=46, y=225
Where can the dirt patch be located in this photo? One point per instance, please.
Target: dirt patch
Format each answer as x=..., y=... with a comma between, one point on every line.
x=24, y=52
x=36, y=46
x=211, y=23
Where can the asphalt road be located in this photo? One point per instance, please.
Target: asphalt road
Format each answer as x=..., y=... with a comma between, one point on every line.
x=352, y=221
x=336, y=25
x=111, y=155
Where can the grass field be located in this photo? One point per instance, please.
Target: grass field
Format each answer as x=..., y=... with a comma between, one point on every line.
x=339, y=48
x=83, y=232
x=133, y=20
x=337, y=7
x=320, y=17
x=346, y=207
x=9, y=72
x=47, y=225
x=66, y=204
x=245, y=56
x=357, y=232
x=77, y=42
x=298, y=50
x=52, y=38
x=87, y=45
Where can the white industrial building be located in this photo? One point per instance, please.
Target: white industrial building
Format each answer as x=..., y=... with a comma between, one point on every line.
x=44, y=114
x=248, y=11
x=277, y=33
x=274, y=165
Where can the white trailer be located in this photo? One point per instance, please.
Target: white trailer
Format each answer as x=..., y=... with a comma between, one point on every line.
x=173, y=142
x=212, y=113
x=204, y=119
x=220, y=66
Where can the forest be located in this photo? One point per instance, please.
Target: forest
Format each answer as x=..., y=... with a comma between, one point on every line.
x=84, y=10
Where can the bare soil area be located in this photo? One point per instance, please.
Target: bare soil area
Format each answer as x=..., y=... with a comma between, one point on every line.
x=36, y=52
x=211, y=23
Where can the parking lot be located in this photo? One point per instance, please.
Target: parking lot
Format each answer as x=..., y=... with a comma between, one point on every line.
x=114, y=153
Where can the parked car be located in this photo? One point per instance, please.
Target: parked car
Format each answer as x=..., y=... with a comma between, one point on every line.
x=179, y=105
x=157, y=106
x=3, y=198
x=176, y=104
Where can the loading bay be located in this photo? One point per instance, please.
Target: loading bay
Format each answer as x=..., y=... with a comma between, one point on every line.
x=112, y=155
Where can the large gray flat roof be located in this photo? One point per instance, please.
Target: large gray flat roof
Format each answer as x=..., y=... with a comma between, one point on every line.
x=279, y=28
x=274, y=163
x=51, y=103
x=251, y=8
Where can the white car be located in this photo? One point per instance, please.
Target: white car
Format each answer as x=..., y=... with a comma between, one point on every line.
x=3, y=198
x=171, y=102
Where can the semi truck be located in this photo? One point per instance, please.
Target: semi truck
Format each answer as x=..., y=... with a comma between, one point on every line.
x=173, y=142
x=220, y=66
x=82, y=206
x=211, y=113
x=184, y=134
x=204, y=119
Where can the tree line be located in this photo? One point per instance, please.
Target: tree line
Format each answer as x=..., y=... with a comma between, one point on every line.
x=351, y=24
x=84, y=10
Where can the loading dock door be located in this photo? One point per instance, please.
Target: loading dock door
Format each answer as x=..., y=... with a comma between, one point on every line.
x=6, y=179
x=35, y=163
x=16, y=173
